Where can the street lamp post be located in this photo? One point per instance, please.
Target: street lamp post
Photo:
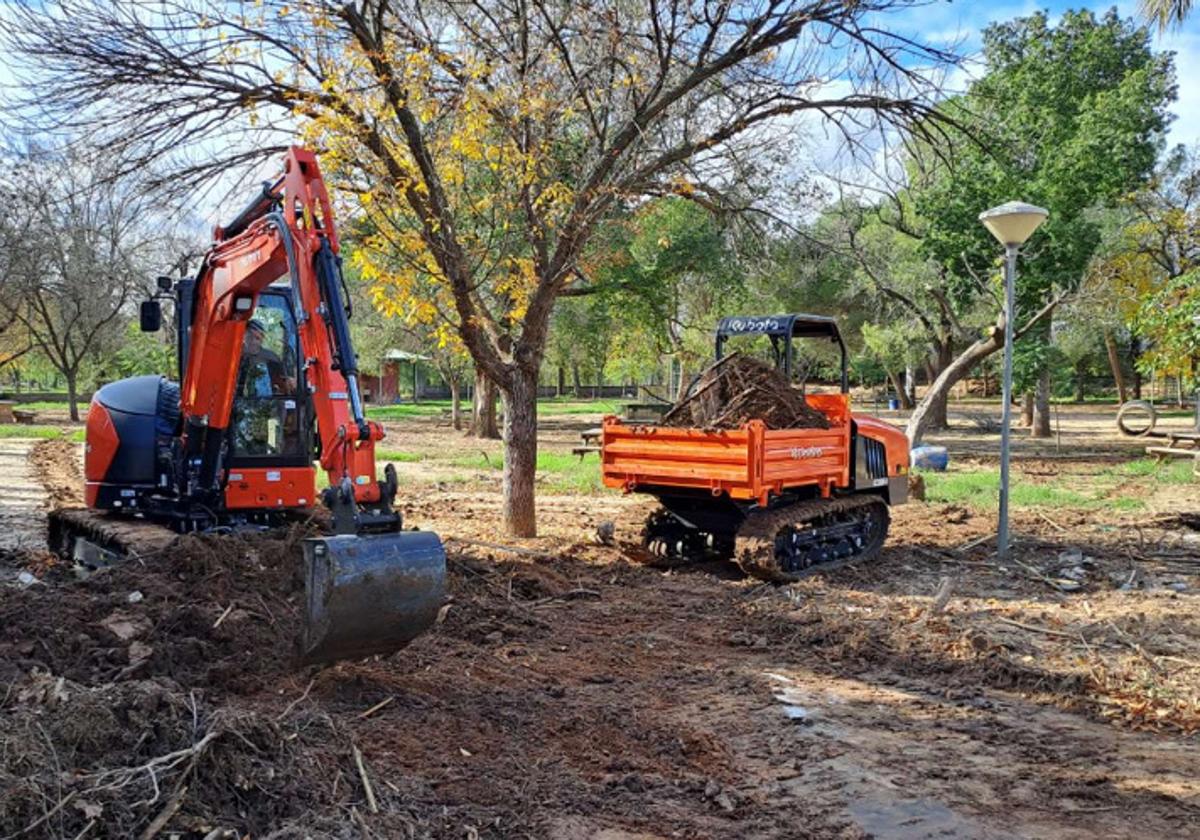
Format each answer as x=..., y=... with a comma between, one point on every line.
x=1011, y=223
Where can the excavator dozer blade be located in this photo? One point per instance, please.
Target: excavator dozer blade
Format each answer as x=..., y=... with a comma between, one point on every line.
x=369, y=594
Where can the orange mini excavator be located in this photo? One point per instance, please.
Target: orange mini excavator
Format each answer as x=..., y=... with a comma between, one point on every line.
x=270, y=384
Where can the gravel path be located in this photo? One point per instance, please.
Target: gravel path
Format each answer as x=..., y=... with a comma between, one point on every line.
x=22, y=498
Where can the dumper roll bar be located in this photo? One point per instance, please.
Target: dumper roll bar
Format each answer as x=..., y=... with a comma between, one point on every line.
x=782, y=329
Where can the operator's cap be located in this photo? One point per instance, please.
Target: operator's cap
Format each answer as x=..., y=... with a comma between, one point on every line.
x=255, y=324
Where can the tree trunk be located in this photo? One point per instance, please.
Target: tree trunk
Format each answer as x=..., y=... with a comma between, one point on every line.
x=901, y=394
x=1080, y=383
x=1027, y=409
x=520, y=453
x=681, y=388
x=483, y=412
x=1137, y=374
x=939, y=417
x=575, y=381
x=910, y=386
x=924, y=415
x=1041, y=406
x=455, y=403
x=562, y=381
x=72, y=396
x=945, y=356
x=1114, y=362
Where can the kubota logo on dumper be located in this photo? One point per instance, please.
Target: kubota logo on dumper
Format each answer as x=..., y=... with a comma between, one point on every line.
x=800, y=452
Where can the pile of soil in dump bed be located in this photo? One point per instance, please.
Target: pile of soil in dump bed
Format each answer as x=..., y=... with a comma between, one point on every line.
x=737, y=389
x=218, y=610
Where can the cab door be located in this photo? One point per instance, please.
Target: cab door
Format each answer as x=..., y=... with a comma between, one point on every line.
x=270, y=437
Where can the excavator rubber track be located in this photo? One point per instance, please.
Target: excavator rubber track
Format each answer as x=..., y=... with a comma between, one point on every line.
x=94, y=537
x=781, y=545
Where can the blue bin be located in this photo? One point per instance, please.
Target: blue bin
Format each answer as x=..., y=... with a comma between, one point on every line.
x=894, y=404
x=934, y=458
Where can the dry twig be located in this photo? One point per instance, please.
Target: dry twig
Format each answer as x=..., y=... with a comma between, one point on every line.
x=1033, y=628
x=164, y=816
x=296, y=702
x=381, y=704
x=362, y=772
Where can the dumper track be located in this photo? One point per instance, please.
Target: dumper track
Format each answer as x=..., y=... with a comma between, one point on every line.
x=780, y=545
x=807, y=538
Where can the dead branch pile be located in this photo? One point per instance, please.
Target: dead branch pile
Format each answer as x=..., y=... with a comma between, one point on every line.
x=737, y=389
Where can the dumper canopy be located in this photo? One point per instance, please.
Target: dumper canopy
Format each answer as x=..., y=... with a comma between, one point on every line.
x=782, y=331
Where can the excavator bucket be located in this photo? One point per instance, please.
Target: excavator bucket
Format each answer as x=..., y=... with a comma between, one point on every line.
x=369, y=594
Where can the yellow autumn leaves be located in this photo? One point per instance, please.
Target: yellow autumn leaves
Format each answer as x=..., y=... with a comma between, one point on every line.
x=499, y=174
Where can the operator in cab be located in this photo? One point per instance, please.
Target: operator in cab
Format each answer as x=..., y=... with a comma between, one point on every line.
x=262, y=375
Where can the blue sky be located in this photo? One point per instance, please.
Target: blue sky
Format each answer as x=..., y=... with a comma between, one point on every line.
x=957, y=23
x=962, y=22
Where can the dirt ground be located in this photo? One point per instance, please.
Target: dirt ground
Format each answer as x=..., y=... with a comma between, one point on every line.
x=573, y=692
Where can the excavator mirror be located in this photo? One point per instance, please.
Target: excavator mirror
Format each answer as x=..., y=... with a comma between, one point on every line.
x=150, y=316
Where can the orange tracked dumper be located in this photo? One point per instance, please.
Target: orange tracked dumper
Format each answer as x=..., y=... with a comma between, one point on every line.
x=783, y=503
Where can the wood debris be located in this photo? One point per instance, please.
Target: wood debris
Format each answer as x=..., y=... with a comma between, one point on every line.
x=737, y=389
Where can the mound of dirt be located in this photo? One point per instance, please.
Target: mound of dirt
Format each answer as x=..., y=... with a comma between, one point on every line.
x=140, y=750
x=57, y=464
x=737, y=389
x=219, y=610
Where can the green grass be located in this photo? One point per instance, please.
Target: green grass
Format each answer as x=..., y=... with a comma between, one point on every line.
x=55, y=405
x=404, y=410
x=17, y=430
x=548, y=406
x=567, y=473
x=567, y=405
x=1168, y=472
x=477, y=461
x=1103, y=489
x=398, y=456
x=982, y=489
x=558, y=472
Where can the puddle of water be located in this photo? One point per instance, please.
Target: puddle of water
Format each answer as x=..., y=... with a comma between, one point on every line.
x=913, y=819
x=795, y=712
x=882, y=816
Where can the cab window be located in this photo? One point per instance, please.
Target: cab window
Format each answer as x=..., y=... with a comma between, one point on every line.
x=266, y=417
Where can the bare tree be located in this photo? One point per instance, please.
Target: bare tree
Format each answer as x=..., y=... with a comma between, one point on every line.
x=72, y=240
x=560, y=110
x=14, y=339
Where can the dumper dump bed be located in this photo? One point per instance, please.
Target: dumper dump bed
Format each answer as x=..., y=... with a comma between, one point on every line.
x=750, y=463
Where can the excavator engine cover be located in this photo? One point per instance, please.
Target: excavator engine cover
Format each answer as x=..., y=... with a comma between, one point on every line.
x=369, y=594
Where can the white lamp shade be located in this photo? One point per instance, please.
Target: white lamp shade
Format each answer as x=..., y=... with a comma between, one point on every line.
x=1013, y=222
